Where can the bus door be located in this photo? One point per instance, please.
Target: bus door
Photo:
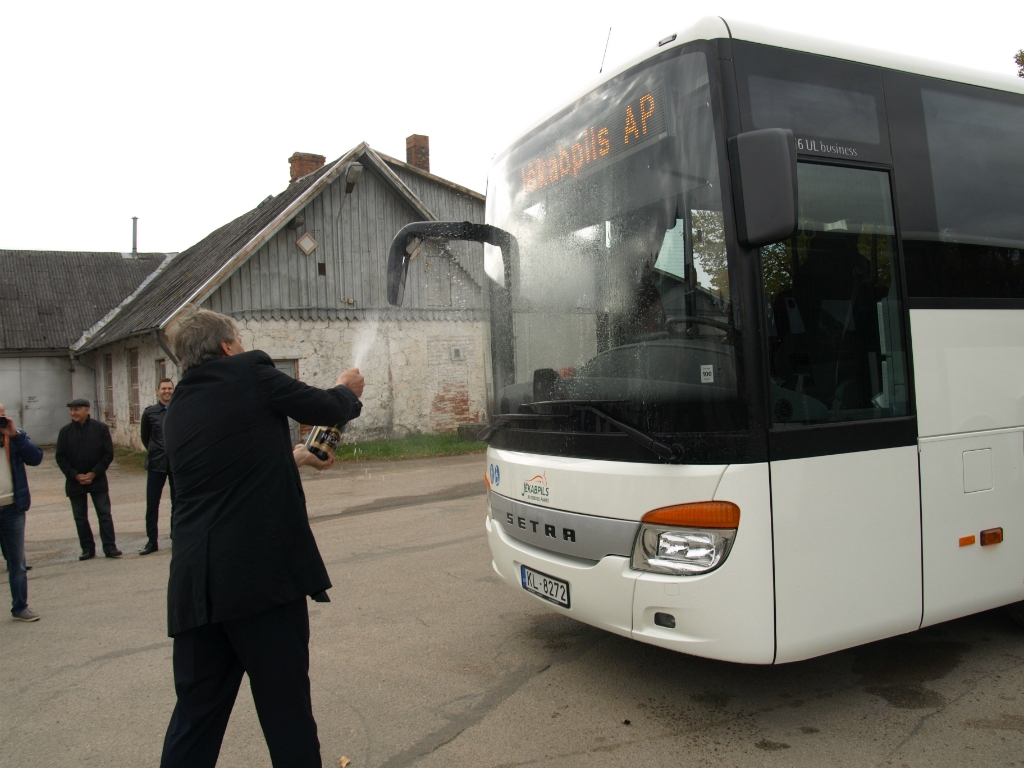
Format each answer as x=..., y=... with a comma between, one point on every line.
x=842, y=445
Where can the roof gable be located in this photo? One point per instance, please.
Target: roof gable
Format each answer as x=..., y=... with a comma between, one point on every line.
x=198, y=271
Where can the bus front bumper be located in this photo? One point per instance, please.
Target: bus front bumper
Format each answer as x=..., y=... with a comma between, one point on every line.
x=720, y=615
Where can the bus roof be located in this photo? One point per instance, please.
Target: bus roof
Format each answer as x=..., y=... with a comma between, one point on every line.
x=782, y=38
x=716, y=27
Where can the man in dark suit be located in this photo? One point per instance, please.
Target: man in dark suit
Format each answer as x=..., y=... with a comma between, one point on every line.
x=84, y=451
x=244, y=557
x=152, y=433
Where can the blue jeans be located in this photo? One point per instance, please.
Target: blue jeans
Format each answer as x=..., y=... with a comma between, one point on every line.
x=12, y=531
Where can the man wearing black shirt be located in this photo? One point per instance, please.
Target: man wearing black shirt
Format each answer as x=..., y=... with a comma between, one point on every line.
x=84, y=451
x=152, y=433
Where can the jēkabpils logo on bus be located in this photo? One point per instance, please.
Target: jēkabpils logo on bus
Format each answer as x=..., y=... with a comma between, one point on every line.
x=536, y=488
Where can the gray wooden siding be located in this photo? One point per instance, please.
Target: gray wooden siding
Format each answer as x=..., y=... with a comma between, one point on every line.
x=449, y=205
x=354, y=233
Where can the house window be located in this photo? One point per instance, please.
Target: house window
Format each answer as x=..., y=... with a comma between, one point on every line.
x=134, y=411
x=161, y=370
x=108, y=389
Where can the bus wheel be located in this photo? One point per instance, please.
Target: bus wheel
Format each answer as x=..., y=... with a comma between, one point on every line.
x=1016, y=612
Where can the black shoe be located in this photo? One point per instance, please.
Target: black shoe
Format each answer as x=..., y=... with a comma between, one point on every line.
x=28, y=567
x=86, y=555
x=113, y=553
x=149, y=549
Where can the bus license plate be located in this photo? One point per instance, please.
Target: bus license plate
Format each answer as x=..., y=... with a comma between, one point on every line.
x=547, y=587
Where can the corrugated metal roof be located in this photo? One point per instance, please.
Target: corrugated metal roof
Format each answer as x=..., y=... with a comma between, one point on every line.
x=48, y=298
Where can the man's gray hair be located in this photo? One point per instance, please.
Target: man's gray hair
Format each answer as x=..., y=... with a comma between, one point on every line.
x=196, y=338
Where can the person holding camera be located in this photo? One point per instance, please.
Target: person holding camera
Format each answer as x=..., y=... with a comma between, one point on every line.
x=152, y=434
x=15, y=500
x=84, y=451
x=244, y=557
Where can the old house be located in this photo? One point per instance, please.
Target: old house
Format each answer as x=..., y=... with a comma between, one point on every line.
x=47, y=298
x=303, y=274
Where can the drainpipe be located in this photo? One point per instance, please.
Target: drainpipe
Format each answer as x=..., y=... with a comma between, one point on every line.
x=159, y=340
x=95, y=377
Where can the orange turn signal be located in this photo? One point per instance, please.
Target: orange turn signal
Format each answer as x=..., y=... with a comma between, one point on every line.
x=487, y=479
x=991, y=536
x=966, y=541
x=702, y=514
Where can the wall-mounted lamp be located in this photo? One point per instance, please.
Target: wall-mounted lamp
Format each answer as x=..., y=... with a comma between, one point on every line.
x=355, y=170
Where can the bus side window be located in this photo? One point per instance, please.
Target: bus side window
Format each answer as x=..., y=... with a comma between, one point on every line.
x=833, y=303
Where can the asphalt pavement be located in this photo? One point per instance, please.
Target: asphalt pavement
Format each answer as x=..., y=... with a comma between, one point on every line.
x=425, y=658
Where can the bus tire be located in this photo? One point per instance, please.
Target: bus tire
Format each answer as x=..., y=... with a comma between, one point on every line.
x=1016, y=611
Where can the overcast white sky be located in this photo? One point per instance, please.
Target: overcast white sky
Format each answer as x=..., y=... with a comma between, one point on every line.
x=184, y=114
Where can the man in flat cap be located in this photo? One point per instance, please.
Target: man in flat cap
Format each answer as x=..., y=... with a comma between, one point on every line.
x=84, y=451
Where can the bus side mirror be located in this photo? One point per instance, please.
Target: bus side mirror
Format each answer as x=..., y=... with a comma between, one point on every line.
x=764, y=185
x=409, y=241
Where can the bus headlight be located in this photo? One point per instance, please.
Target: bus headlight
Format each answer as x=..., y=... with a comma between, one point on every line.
x=680, y=551
x=686, y=539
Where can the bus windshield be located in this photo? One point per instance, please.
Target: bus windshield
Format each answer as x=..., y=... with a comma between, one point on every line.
x=621, y=295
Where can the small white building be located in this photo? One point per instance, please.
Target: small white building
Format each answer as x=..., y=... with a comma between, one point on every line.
x=46, y=299
x=304, y=275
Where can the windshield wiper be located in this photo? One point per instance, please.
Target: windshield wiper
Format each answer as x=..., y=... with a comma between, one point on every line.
x=672, y=452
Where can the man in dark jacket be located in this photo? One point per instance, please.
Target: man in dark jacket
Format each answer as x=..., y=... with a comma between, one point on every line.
x=152, y=434
x=244, y=556
x=18, y=450
x=84, y=451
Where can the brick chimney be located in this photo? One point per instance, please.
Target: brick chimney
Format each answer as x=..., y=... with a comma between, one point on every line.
x=417, y=151
x=304, y=163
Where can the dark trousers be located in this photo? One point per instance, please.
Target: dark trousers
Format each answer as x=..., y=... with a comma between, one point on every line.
x=273, y=649
x=154, y=490
x=101, y=503
x=12, y=537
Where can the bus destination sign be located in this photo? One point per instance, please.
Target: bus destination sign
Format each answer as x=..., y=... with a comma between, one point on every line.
x=614, y=132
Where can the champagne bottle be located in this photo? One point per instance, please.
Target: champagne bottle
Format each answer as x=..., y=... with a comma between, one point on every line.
x=323, y=441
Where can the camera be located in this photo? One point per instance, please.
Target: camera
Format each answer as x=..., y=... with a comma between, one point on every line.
x=4, y=421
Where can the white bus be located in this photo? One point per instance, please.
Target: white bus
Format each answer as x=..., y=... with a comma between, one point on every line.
x=757, y=346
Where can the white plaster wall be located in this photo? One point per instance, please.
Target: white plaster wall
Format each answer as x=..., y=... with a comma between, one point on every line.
x=412, y=383
x=122, y=429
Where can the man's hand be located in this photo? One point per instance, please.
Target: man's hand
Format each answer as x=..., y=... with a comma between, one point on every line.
x=352, y=379
x=303, y=458
x=10, y=430
x=85, y=479
x=89, y=477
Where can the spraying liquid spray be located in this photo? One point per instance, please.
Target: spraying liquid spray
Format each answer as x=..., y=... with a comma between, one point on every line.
x=324, y=441
x=365, y=337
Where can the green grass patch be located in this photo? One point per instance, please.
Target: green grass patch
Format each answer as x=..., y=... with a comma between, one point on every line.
x=412, y=447
x=126, y=457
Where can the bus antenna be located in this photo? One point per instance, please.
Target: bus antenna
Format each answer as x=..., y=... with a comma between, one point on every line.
x=605, y=50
